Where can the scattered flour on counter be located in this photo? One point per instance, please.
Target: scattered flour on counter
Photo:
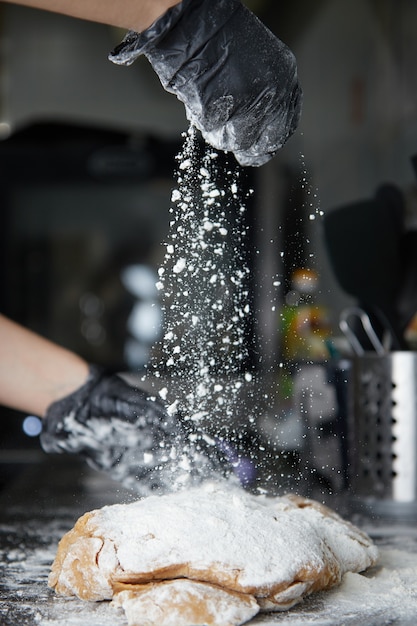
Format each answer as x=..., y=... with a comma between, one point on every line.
x=386, y=594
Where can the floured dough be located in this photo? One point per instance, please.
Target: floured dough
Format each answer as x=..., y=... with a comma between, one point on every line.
x=209, y=553
x=183, y=602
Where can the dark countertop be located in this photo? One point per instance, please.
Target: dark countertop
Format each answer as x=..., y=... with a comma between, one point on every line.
x=46, y=500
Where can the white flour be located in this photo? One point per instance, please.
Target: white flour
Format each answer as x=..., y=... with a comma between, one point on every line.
x=204, y=284
x=275, y=551
x=386, y=594
x=208, y=528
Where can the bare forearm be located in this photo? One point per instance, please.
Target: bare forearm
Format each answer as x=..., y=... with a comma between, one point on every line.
x=34, y=371
x=130, y=14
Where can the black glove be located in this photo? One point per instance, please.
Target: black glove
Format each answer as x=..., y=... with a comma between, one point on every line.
x=238, y=82
x=126, y=433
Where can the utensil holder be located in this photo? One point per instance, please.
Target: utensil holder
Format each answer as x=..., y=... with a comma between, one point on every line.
x=382, y=434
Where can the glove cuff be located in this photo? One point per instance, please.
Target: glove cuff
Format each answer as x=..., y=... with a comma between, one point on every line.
x=212, y=13
x=74, y=404
x=76, y=399
x=135, y=44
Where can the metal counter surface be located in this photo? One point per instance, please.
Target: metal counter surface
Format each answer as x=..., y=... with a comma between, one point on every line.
x=46, y=500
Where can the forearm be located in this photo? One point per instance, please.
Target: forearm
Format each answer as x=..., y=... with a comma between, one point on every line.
x=34, y=371
x=129, y=14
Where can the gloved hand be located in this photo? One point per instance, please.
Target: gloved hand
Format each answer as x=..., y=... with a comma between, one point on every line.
x=122, y=431
x=238, y=82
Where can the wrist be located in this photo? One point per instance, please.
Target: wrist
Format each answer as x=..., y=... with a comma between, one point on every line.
x=76, y=375
x=149, y=13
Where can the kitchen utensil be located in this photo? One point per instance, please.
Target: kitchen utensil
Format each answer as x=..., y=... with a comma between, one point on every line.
x=382, y=434
x=348, y=329
x=363, y=241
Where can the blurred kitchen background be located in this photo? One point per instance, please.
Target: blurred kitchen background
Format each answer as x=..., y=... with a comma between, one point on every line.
x=87, y=161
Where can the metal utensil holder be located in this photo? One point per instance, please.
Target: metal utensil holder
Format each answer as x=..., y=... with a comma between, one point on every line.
x=382, y=433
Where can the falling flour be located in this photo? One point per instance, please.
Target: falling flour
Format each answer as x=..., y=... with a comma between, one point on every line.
x=204, y=284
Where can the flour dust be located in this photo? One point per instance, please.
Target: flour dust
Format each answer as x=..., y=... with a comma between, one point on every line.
x=203, y=362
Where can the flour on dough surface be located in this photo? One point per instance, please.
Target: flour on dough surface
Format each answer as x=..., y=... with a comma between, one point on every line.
x=274, y=550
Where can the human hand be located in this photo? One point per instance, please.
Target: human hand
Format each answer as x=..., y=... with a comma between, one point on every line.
x=237, y=81
x=128, y=434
